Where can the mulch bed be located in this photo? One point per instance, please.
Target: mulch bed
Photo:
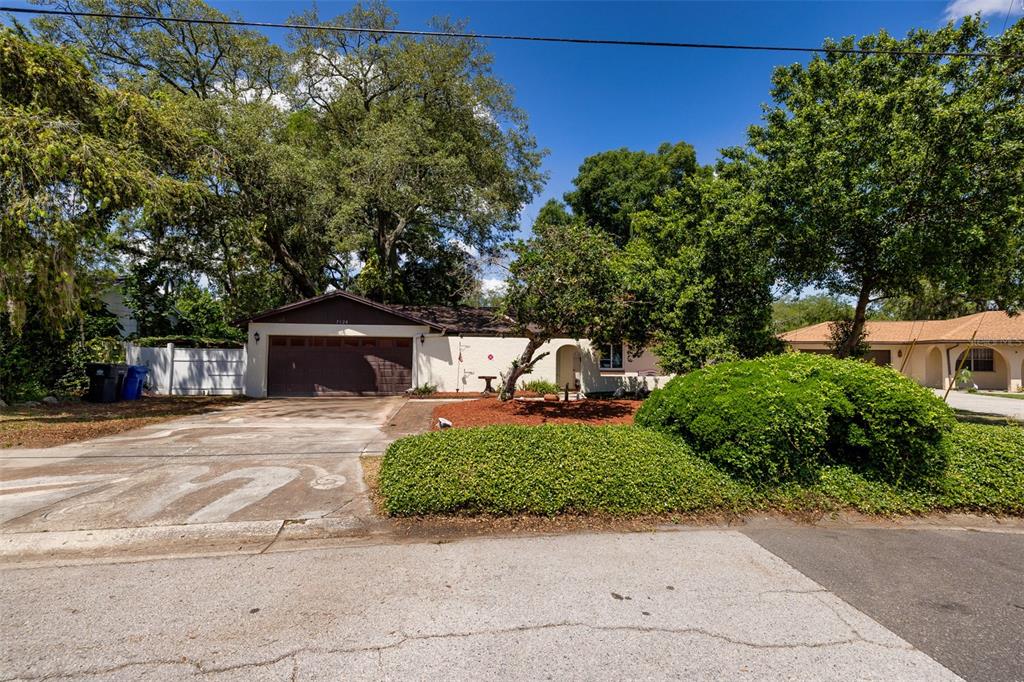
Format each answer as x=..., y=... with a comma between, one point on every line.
x=487, y=411
x=465, y=395
x=46, y=426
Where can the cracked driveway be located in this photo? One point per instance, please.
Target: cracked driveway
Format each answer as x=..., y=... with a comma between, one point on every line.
x=669, y=605
x=263, y=460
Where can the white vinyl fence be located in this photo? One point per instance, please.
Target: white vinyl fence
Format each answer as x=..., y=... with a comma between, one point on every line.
x=191, y=371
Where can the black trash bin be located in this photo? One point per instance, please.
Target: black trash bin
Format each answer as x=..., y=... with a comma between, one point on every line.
x=105, y=381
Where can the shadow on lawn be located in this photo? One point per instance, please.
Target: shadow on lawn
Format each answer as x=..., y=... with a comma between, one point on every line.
x=149, y=406
x=583, y=410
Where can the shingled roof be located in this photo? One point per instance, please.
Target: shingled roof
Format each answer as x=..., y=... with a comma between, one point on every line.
x=992, y=326
x=459, y=320
x=447, y=319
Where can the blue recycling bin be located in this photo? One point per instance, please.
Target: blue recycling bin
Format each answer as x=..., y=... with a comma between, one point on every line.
x=131, y=389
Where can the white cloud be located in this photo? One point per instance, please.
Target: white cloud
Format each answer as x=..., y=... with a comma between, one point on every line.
x=492, y=284
x=961, y=8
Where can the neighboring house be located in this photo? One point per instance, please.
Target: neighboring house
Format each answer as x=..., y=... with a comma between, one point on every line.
x=930, y=351
x=114, y=300
x=343, y=344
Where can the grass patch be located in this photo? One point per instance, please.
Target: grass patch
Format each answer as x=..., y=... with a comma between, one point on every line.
x=623, y=470
x=46, y=426
x=997, y=394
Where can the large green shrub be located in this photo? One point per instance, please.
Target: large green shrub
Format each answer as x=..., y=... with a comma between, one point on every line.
x=782, y=417
x=548, y=470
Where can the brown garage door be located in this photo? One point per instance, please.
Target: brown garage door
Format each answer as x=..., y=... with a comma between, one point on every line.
x=332, y=365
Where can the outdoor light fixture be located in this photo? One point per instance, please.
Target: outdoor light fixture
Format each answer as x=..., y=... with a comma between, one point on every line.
x=423, y=338
x=256, y=337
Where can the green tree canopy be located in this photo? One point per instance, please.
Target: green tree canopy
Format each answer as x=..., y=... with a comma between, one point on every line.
x=793, y=313
x=882, y=171
x=354, y=160
x=613, y=186
x=74, y=157
x=426, y=147
x=199, y=60
x=561, y=283
x=697, y=272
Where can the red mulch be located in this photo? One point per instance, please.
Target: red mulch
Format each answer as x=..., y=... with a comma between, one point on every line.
x=465, y=395
x=487, y=411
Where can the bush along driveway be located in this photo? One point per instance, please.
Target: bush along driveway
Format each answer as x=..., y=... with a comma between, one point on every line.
x=791, y=433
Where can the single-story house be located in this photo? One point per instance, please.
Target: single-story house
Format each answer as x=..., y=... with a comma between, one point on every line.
x=930, y=351
x=343, y=344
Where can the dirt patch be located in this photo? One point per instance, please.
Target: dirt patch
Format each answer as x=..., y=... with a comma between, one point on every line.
x=413, y=417
x=487, y=411
x=46, y=426
x=371, y=476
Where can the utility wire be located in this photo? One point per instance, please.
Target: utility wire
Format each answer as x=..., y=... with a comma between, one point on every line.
x=496, y=36
x=1009, y=8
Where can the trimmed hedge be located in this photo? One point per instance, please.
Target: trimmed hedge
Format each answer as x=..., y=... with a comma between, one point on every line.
x=627, y=470
x=548, y=470
x=783, y=417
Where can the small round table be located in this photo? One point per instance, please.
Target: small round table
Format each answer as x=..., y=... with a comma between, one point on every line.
x=487, y=388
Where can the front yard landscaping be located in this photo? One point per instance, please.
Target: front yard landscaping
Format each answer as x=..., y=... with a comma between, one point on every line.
x=45, y=426
x=491, y=411
x=549, y=470
x=787, y=433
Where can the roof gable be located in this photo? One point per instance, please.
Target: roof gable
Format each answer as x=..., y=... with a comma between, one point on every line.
x=340, y=307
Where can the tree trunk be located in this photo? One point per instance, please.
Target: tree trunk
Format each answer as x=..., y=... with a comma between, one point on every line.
x=852, y=340
x=300, y=280
x=523, y=365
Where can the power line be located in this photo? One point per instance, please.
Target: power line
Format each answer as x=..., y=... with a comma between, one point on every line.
x=496, y=36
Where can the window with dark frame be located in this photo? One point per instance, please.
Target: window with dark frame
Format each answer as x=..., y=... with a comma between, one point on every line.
x=980, y=360
x=611, y=356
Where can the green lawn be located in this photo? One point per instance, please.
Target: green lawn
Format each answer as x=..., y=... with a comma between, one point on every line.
x=1015, y=396
x=627, y=470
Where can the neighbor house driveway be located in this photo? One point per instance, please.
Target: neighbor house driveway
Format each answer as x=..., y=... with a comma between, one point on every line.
x=981, y=403
x=260, y=461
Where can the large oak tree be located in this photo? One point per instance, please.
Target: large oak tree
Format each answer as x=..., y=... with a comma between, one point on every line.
x=888, y=173
x=429, y=154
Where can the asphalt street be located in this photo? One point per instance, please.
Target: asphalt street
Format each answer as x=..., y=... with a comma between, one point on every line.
x=956, y=595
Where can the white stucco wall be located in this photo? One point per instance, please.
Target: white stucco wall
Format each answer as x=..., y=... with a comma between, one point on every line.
x=1007, y=374
x=437, y=361
x=436, y=358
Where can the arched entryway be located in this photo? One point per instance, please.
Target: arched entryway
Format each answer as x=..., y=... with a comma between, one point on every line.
x=933, y=368
x=568, y=363
x=989, y=370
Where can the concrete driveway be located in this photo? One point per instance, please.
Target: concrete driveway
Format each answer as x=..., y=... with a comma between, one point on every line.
x=981, y=403
x=261, y=461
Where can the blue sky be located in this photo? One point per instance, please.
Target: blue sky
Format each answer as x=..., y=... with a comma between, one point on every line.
x=585, y=99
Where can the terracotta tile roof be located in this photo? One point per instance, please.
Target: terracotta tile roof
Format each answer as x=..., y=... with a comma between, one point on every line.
x=993, y=326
